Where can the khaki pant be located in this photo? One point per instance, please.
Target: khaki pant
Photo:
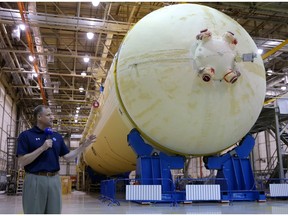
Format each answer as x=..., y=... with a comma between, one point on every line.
x=42, y=194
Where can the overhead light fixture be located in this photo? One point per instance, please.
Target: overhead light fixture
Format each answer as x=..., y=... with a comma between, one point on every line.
x=77, y=111
x=90, y=35
x=31, y=58
x=81, y=89
x=269, y=72
x=83, y=74
x=34, y=74
x=95, y=3
x=22, y=27
x=272, y=43
x=86, y=59
x=75, y=120
x=283, y=88
x=78, y=108
x=76, y=115
x=16, y=33
x=260, y=51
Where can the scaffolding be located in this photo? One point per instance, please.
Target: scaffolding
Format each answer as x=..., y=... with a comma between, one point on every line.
x=274, y=121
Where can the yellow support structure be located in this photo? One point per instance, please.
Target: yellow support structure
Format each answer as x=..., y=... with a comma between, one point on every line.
x=269, y=101
x=269, y=53
x=275, y=49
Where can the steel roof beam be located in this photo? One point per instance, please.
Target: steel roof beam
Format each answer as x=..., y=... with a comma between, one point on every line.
x=55, y=54
x=53, y=21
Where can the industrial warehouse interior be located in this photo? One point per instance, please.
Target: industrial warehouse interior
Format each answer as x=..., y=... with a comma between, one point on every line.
x=76, y=58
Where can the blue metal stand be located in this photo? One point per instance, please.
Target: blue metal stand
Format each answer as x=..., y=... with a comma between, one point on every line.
x=154, y=168
x=235, y=167
x=234, y=175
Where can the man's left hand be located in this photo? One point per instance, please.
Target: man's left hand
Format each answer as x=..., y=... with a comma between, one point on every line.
x=89, y=140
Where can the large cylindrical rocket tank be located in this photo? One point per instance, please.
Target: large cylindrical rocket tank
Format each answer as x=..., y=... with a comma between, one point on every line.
x=187, y=77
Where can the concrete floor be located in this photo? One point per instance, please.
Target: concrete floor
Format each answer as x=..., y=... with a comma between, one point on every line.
x=82, y=203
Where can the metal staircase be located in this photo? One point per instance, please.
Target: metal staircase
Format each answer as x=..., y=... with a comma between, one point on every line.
x=20, y=181
x=11, y=166
x=80, y=181
x=284, y=140
x=80, y=184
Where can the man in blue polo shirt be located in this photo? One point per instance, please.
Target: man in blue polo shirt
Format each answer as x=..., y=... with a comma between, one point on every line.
x=39, y=154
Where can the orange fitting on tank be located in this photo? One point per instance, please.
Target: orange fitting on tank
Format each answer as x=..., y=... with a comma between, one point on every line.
x=231, y=76
x=204, y=35
x=229, y=37
x=207, y=73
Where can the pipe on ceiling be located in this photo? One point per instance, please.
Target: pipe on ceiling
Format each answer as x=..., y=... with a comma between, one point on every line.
x=42, y=59
x=31, y=48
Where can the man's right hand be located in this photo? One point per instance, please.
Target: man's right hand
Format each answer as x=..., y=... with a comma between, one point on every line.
x=47, y=144
x=23, y=160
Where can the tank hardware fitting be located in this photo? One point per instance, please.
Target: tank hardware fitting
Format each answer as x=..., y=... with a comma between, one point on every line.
x=229, y=37
x=248, y=57
x=207, y=73
x=232, y=76
x=204, y=35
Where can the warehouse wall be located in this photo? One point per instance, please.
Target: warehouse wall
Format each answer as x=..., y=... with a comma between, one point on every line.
x=11, y=127
x=8, y=115
x=264, y=152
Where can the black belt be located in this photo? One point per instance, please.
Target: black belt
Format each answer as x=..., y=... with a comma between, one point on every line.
x=46, y=173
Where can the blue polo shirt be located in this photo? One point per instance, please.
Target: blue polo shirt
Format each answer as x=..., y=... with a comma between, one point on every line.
x=48, y=161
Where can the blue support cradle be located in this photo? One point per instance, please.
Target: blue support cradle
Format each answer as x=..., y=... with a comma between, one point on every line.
x=154, y=168
x=235, y=167
x=234, y=172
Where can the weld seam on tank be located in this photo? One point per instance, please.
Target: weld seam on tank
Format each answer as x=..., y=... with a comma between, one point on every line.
x=144, y=135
